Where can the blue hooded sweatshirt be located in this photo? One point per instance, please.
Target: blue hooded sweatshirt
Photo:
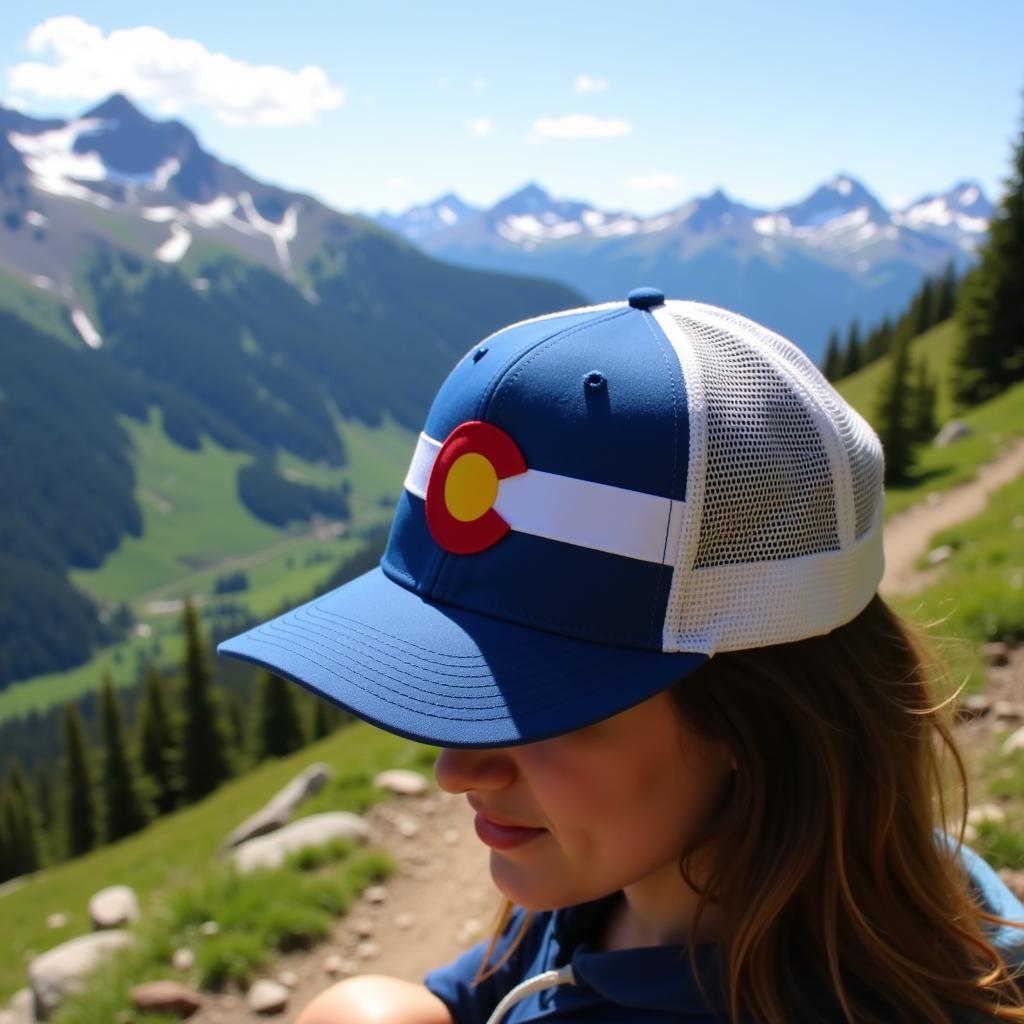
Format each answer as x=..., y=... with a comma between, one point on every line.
x=567, y=979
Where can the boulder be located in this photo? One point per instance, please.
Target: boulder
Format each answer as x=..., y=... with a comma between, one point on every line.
x=1014, y=742
x=19, y=1009
x=266, y=996
x=60, y=970
x=113, y=907
x=279, y=809
x=166, y=997
x=1008, y=710
x=375, y=894
x=950, y=432
x=401, y=781
x=976, y=706
x=269, y=851
x=183, y=959
x=996, y=653
x=938, y=555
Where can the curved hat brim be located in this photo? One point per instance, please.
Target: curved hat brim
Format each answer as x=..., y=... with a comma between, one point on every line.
x=450, y=677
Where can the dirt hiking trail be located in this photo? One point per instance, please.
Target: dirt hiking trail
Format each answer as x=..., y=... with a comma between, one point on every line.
x=907, y=535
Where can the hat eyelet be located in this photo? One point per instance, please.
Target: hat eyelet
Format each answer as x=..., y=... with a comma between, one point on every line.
x=479, y=353
x=595, y=380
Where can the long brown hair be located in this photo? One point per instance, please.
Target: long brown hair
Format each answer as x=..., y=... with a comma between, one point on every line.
x=831, y=860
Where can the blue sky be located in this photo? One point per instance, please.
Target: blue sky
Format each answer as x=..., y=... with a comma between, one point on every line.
x=628, y=105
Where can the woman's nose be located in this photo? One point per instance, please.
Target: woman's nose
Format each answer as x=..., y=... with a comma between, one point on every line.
x=458, y=771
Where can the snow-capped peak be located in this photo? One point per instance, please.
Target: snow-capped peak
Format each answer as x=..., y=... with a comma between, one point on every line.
x=960, y=214
x=838, y=198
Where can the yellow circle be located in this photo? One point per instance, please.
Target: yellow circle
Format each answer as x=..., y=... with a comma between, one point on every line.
x=471, y=487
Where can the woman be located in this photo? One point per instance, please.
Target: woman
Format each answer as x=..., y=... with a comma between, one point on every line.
x=630, y=590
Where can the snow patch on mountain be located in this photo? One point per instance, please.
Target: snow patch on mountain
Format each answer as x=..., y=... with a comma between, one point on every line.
x=176, y=246
x=53, y=164
x=85, y=328
x=218, y=211
x=56, y=168
x=279, y=234
x=159, y=214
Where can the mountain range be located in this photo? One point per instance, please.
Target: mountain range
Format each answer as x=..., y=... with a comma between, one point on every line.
x=836, y=254
x=140, y=272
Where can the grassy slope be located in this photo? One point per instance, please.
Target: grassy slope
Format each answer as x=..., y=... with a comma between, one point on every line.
x=40, y=308
x=995, y=422
x=196, y=529
x=178, y=849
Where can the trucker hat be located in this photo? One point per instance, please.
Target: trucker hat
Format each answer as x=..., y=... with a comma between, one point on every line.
x=600, y=500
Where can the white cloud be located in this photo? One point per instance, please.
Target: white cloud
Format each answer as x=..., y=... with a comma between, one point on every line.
x=442, y=83
x=171, y=73
x=585, y=84
x=14, y=103
x=480, y=126
x=580, y=126
x=478, y=84
x=659, y=181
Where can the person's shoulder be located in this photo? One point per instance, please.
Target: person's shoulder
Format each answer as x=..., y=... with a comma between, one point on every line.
x=470, y=987
x=995, y=898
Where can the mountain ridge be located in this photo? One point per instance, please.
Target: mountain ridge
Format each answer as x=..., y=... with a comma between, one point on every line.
x=800, y=268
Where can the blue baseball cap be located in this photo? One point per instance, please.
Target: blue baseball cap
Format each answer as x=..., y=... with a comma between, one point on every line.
x=600, y=500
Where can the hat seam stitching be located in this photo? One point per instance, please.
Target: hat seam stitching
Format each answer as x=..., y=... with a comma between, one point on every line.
x=652, y=636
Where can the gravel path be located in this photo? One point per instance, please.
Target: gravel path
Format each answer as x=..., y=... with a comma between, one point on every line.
x=439, y=902
x=907, y=535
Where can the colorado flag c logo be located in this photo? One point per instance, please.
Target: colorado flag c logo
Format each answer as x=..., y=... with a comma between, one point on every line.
x=463, y=486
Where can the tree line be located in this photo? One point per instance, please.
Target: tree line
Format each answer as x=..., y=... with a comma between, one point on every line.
x=933, y=303
x=188, y=734
x=988, y=304
x=185, y=742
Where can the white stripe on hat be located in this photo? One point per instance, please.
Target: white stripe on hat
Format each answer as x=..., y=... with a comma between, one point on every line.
x=563, y=508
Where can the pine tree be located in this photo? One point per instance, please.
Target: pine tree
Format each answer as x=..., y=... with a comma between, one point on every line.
x=46, y=806
x=124, y=809
x=945, y=295
x=276, y=723
x=7, y=855
x=324, y=719
x=921, y=309
x=893, y=412
x=19, y=826
x=831, y=367
x=10, y=836
x=236, y=725
x=922, y=405
x=205, y=762
x=854, y=358
x=157, y=743
x=991, y=302
x=79, y=797
x=46, y=796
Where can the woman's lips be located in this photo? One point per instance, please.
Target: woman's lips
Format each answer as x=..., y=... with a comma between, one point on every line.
x=503, y=837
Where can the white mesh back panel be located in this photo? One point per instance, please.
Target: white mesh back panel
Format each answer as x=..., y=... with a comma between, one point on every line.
x=858, y=440
x=781, y=538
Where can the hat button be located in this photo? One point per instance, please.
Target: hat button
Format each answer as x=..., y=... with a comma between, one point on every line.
x=645, y=298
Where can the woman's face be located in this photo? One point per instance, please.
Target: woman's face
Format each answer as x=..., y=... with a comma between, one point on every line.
x=599, y=809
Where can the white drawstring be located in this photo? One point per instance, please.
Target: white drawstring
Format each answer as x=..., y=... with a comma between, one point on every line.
x=539, y=982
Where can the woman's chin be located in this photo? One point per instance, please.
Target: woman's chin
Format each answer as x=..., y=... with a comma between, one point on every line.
x=536, y=894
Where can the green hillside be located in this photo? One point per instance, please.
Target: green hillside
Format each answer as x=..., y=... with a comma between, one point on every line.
x=180, y=848
x=37, y=307
x=196, y=530
x=935, y=347
x=995, y=423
